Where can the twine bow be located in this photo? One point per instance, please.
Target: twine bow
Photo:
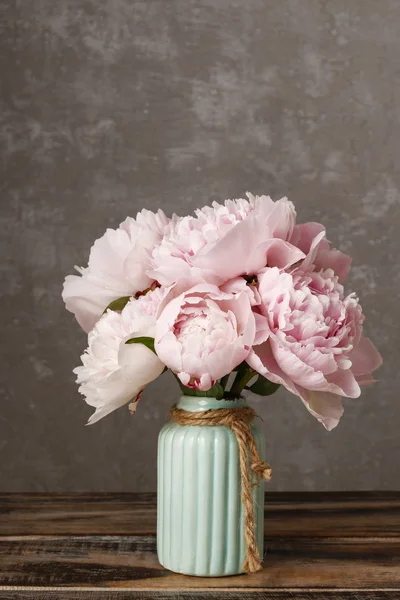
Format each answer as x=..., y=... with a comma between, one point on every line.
x=239, y=421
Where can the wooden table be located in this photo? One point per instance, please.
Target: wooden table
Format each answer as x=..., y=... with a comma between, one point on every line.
x=91, y=546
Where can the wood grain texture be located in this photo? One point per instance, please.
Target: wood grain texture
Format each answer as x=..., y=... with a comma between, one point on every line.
x=104, y=546
x=232, y=594
x=300, y=514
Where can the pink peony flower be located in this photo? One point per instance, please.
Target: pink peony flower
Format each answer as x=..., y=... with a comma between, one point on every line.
x=203, y=333
x=313, y=341
x=118, y=265
x=114, y=372
x=310, y=238
x=222, y=242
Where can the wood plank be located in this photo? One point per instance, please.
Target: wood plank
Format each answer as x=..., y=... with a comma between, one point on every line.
x=302, y=515
x=130, y=562
x=248, y=594
x=102, y=546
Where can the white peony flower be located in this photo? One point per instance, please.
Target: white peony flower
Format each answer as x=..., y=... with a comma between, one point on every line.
x=118, y=265
x=114, y=372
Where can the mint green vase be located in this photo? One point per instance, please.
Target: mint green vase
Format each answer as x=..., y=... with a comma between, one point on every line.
x=200, y=513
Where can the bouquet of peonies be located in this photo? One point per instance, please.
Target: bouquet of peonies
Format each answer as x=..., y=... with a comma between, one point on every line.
x=238, y=288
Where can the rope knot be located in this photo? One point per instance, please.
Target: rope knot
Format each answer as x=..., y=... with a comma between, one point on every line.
x=239, y=421
x=262, y=470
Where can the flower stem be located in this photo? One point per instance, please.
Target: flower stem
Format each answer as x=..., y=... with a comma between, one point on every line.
x=242, y=378
x=224, y=380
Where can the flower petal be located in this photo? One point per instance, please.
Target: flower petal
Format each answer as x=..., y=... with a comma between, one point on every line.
x=365, y=357
x=327, y=408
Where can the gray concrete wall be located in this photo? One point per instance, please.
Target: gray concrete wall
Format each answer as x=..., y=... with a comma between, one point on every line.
x=113, y=105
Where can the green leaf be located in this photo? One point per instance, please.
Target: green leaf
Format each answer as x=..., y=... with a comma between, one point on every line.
x=263, y=387
x=216, y=391
x=118, y=304
x=146, y=341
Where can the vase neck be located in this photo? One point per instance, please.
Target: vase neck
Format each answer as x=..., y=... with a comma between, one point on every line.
x=199, y=403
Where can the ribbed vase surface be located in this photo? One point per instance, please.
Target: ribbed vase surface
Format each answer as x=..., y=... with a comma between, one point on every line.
x=200, y=513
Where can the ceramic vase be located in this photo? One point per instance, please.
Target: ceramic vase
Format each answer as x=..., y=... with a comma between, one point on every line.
x=200, y=513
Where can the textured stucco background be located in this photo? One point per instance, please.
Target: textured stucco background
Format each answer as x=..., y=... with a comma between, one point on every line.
x=108, y=106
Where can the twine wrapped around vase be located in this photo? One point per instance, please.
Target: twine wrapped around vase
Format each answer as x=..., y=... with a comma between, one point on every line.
x=239, y=421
